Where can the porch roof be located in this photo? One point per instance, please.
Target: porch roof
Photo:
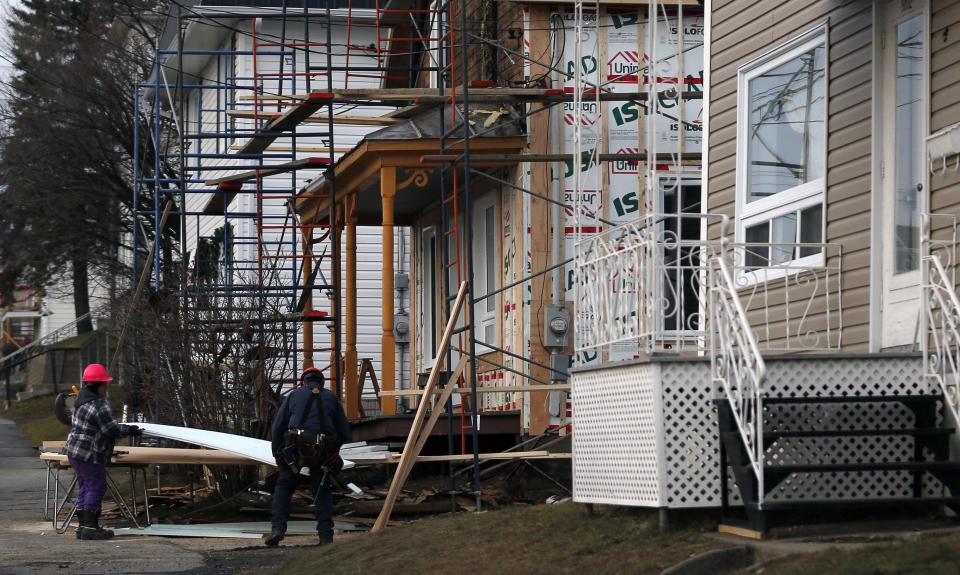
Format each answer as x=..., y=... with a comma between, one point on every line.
x=402, y=146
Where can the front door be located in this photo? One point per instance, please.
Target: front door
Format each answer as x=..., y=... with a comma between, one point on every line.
x=901, y=129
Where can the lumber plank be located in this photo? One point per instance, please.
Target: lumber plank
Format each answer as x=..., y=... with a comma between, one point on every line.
x=745, y=533
x=409, y=446
x=163, y=455
x=302, y=164
x=299, y=149
x=317, y=118
x=290, y=119
x=505, y=456
x=441, y=401
x=431, y=95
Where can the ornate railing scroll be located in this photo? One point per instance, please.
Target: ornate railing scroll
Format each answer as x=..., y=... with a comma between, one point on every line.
x=737, y=367
x=640, y=285
x=940, y=310
x=792, y=293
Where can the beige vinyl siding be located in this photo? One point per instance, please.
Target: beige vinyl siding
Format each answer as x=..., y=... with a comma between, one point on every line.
x=736, y=40
x=944, y=103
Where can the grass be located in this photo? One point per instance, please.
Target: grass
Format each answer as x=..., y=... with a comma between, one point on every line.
x=552, y=539
x=35, y=419
x=933, y=555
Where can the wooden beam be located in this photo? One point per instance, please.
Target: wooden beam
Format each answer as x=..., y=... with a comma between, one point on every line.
x=517, y=158
x=438, y=406
x=306, y=242
x=351, y=391
x=165, y=456
x=308, y=104
x=272, y=170
x=299, y=149
x=489, y=95
x=318, y=118
x=409, y=448
x=388, y=347
x=539, y=131
x=506, y=456
x=745, y=533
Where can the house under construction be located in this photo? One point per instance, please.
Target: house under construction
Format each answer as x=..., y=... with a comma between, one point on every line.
x=735, y=332
x=465, y=135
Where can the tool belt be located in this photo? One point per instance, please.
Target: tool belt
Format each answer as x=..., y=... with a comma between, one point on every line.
x=313, y=450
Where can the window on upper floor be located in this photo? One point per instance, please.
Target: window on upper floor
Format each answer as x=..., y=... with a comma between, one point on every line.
x=781, y=153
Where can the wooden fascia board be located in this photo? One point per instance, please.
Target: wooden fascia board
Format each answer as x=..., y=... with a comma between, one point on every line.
x=354, y=169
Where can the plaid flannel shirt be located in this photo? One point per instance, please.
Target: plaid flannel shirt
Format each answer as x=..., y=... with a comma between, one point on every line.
x=94, y=433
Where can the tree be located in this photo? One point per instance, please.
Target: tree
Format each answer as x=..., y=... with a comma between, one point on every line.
x=66, y=163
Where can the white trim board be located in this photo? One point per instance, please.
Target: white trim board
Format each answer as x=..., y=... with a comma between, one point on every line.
x=255, y=449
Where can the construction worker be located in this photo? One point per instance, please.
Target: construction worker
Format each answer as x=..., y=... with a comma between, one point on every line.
x=307, y=431
x=89, y=448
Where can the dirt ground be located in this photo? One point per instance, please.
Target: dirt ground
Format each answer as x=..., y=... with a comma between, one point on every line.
x=29, y=545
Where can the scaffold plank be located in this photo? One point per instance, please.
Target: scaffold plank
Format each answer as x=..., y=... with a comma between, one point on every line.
x=316, y=119
x=307, y=105
x=303, y=164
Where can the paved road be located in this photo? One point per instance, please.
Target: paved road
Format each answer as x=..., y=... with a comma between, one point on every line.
x=29, y=545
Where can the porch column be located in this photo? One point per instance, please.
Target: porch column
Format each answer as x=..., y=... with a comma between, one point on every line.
x=351, y=392
x=306, y=243
x=388, y=191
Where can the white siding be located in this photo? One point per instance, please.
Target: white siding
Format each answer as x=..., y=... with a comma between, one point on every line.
x=275, y=212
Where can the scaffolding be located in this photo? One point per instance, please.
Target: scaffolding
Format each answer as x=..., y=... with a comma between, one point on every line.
x=256, y=137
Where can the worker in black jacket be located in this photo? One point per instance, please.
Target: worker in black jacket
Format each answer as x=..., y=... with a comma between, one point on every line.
x=308, y=416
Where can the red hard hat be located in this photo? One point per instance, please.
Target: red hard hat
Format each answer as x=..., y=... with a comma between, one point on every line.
x=310, y=370
x=96, y=372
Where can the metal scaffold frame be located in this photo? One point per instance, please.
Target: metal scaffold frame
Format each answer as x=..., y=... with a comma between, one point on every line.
x=270, y=267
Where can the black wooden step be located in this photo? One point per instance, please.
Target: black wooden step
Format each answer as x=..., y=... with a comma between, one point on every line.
x=853, y=399
x=866, y=466
x=926, y=431
x=811, y=504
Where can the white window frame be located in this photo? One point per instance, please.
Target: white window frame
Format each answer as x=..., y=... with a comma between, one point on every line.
x=798, y=198
x=482, y=318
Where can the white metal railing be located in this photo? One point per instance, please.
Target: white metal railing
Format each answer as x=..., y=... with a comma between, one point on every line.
x=939, y=326
x=65, y=332
x=640, y=285
x=792, y=294
x=737, y=366
x=641, y=289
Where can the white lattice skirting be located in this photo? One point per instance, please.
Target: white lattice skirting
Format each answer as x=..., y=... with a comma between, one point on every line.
x=646, y=432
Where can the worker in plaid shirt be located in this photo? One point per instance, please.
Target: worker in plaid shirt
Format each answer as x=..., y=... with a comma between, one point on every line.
x=89, y=448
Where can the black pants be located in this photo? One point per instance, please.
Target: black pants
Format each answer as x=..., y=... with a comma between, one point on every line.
x=323, y=502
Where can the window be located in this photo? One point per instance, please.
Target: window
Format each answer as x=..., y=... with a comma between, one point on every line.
x=485, y=266
x=781, y=152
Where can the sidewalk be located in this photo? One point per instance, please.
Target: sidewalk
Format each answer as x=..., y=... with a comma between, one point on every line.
x=29, y=545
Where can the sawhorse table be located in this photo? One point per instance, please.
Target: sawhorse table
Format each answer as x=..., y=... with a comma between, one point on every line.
x=55, y=482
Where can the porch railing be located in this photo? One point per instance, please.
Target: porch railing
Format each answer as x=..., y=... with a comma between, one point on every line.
x=791, y=293
x=639, y=286
x=65, y=332
x=939, y=327
x=736, y=364
x=641, y=289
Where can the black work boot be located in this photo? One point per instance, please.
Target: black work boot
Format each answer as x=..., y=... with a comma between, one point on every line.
x=326, y=537
x=275, y=537
x=96, y=523
x=90, y=529
x=81, y=516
